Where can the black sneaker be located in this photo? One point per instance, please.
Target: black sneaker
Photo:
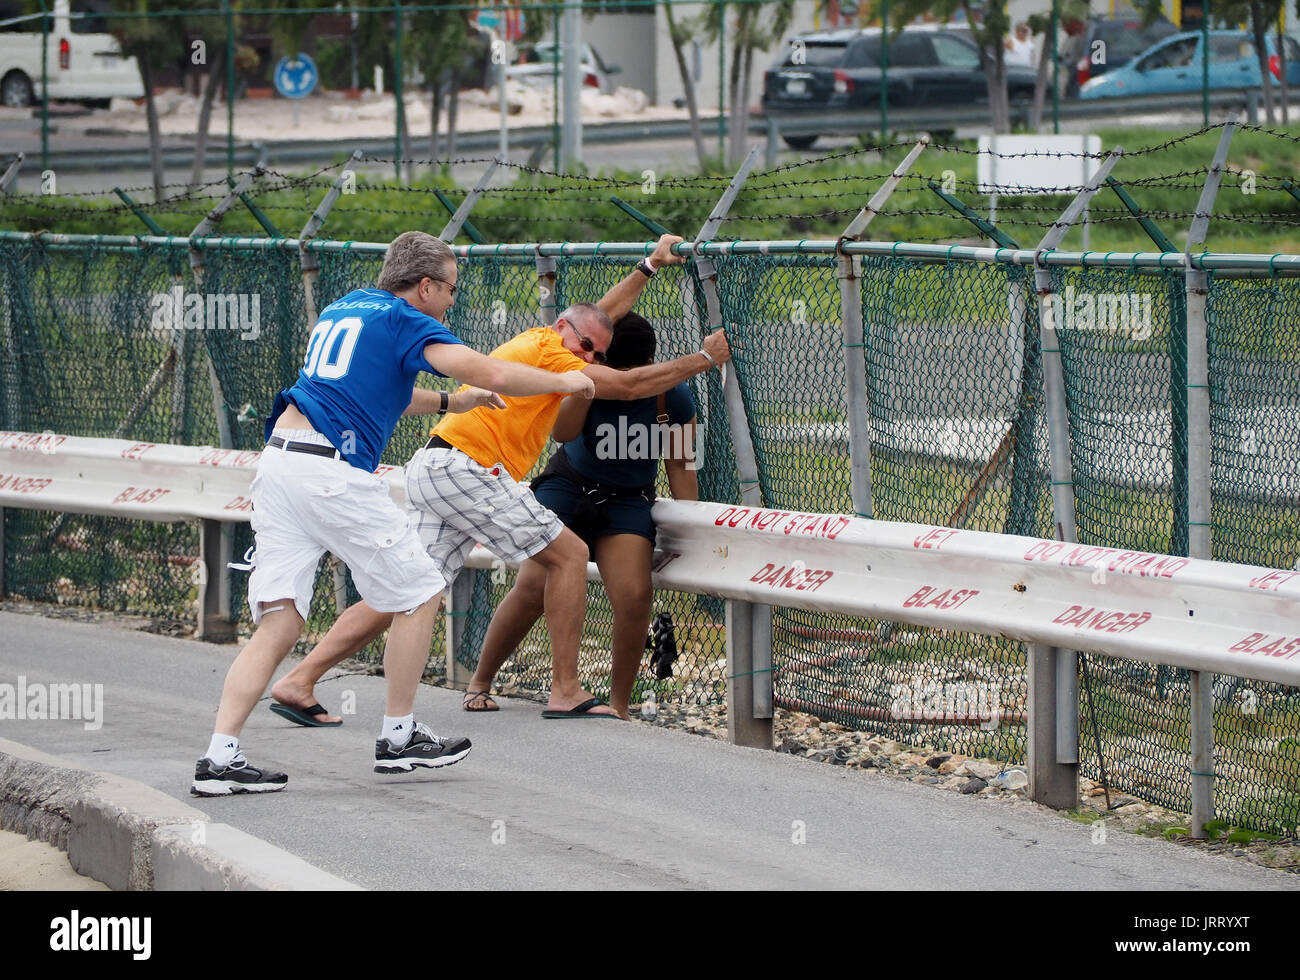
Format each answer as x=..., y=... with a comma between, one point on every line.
x=211, y=779
x=423, y=749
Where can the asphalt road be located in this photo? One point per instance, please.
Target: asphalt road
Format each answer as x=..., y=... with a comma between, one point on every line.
x=567, y=805
x=667, y=155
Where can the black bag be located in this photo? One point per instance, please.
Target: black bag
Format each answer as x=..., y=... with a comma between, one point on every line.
x=663, y=641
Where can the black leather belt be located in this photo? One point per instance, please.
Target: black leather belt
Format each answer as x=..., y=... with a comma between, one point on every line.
x=304, y=447
x=437, y=442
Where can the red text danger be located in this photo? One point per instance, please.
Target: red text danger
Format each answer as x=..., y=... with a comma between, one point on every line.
x=1101, y=620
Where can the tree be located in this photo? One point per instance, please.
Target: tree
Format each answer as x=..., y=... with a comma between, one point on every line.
x=680, y=34
x=212, y=32
x=757, y=26
x=290, y=25
x=989, y=22
x=440, y=38
x=443, y=47
x=151, y=40
x=1067, y=11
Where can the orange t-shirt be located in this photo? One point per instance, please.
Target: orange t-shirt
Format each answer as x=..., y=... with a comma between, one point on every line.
x=516, y=434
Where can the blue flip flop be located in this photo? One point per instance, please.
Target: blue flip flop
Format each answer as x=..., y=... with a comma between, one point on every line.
x=304, y=716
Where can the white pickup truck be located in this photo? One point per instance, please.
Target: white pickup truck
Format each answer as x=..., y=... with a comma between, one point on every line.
x=79, y=66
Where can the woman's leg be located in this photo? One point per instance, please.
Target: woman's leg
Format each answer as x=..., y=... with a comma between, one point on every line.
x=624, y=562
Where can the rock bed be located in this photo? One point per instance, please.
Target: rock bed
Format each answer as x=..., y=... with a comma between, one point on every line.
x=807, y=736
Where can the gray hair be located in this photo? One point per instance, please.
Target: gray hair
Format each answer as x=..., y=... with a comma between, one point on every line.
x=411, y=256
x=586, y=315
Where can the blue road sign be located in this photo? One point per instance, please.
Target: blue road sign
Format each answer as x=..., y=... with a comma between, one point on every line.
x=295, y=77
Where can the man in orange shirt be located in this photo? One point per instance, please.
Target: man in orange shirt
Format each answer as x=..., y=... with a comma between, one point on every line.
x=464, y=486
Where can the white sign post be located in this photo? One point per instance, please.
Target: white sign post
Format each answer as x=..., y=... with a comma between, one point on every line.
x=1031, y=165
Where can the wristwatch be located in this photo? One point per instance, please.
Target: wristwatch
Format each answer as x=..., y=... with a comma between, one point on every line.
x=646, y=268
x=445, y=402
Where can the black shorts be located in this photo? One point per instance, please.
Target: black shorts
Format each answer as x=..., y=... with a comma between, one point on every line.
x=617, y=515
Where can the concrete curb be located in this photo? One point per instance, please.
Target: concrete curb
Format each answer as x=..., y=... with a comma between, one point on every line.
x=134, y=838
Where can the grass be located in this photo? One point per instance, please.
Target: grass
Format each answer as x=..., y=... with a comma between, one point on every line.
x=812, y=199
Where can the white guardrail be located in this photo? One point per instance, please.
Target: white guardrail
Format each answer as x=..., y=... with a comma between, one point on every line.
x=1203, y=615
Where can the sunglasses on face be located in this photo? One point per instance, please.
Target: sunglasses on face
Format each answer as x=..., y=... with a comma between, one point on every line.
x=451, y=286
x=587, y=345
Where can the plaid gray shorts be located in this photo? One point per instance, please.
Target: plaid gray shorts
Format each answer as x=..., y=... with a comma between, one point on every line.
x=459, y=502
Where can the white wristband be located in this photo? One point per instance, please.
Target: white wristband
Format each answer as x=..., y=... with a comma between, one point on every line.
x=708, y=357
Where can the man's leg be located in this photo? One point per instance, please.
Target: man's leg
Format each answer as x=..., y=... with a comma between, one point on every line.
x=252, y=670
x=405, y=655
x=358, y=625
x=565, y=562
x=223, y=769
x=624, y=561
x=513, y=618
x=403, y=742
x=460, y=501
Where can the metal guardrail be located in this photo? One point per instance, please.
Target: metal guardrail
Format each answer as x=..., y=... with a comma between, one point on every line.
x=1199, y=614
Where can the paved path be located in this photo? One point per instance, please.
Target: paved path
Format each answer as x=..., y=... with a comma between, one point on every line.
x=572, y=804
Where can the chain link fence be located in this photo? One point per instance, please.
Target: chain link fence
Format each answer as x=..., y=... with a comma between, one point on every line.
x=958, y=438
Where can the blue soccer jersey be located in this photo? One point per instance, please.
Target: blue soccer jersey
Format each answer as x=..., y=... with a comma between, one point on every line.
x=362, y=360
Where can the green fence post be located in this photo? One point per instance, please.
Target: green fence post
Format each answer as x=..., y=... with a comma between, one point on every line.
x=1205, y=63
x=1054, y=746
x=979, y=221
x=139, y=212
x=1199, y=542
x=466, y=227
x=460, y=600
x=45, y=87
x=1056, y=67
x=267, y=224
x=452, y=228
x=230, y=88
x=884, y=72
x=649, y=224
x=400, y=117
x=722, y=79
x=547, y=301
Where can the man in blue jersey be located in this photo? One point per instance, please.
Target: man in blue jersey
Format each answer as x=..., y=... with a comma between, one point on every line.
x=316, y=491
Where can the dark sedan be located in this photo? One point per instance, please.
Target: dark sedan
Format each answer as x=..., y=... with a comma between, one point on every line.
x=842, y=69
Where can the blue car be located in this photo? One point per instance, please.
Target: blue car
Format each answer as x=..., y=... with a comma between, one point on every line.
x=1175, y=65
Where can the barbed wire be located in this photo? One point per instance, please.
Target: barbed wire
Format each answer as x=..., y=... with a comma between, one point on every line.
x=1096, y=214
x=764, y=187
